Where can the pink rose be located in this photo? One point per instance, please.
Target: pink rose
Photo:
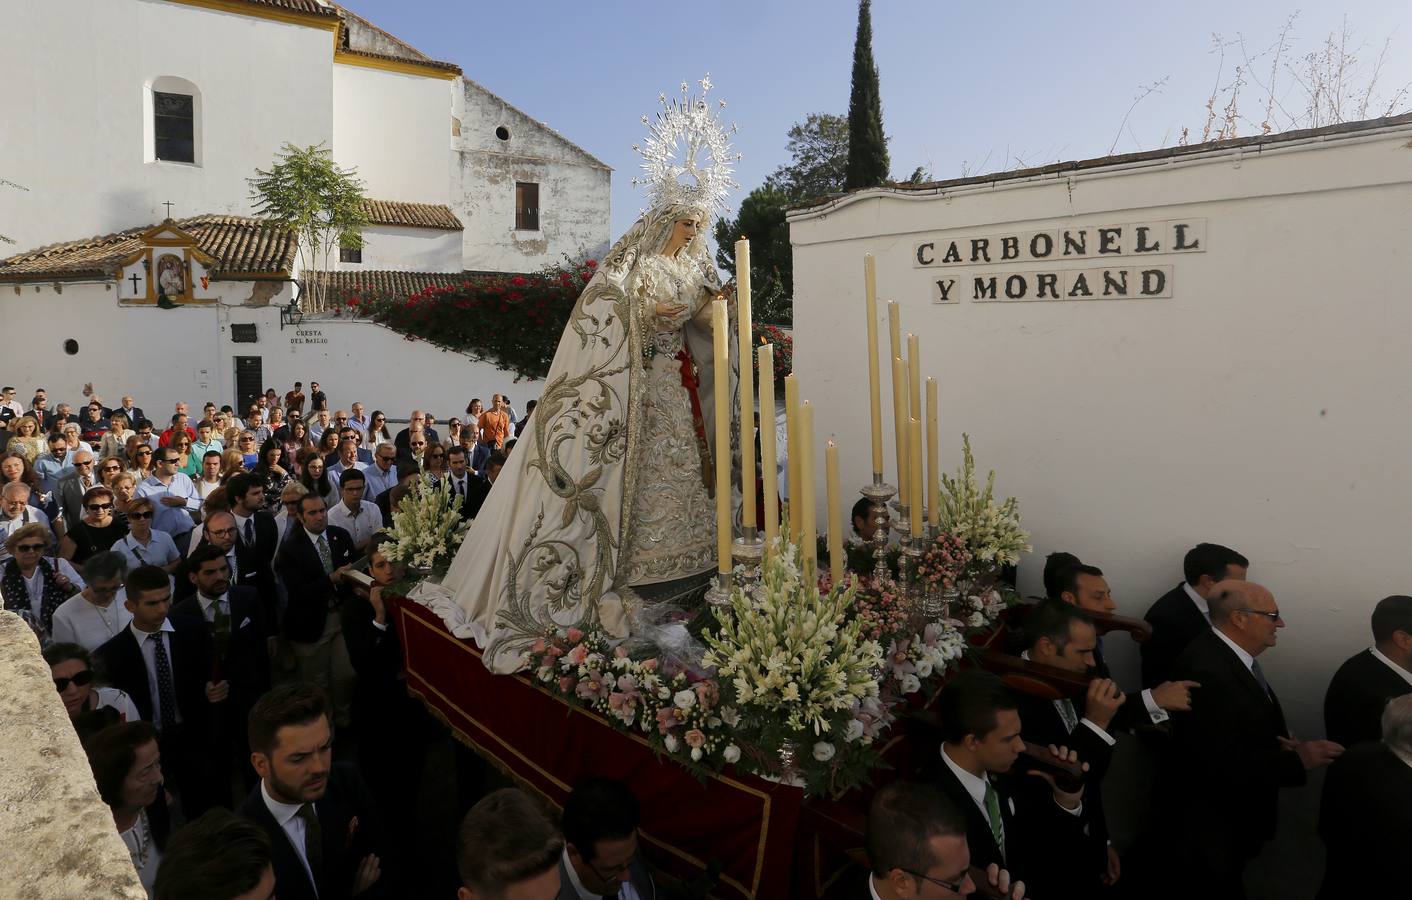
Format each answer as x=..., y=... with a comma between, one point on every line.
x=649, y=664
x=694, y=738
x=538, y=646
x=578, y=655
x=666, y=720
x=620, y=652
x=555, y=652
x=575, y=635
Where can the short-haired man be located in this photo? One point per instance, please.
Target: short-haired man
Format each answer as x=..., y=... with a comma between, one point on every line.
x=352, y=513
x=407, y=474
x=16, y=513
x=324, y=840
x=318, y=400
x=145, y=429
x=130, y=409
x=52, y=465
x=164, y=665
x=180, y=423
x=1366, y=813
x=460, y=477
x=1181, y=614
x=294, y=399
x=71, y=488
x=1353, y=705
x=313, y=560
x=10, y=408
x=288, y=515
x=1232, y=752
x=480, y=487
x=255, y=527
x=220, y=856
x=381, y=476
x=173, y=495
x=345, y=460
x=916, y=840
x=358, y=421
x=494, y=425
x=1031, y=827
x=507, y=849
x=206, y=439
x=601, y=854
x=417, y=421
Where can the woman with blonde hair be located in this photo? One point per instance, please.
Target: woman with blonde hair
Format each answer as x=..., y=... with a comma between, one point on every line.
x=232, y=463
x=27, y=439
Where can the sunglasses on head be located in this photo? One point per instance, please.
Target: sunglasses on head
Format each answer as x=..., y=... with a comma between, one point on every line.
x=79, y=678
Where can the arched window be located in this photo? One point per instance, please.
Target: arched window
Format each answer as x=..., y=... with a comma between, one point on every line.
x=172, y=107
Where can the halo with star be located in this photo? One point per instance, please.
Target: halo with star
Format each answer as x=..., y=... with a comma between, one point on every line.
x=686, y=157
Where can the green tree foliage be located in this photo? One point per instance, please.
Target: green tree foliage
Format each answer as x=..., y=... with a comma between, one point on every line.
x=867, y=145
x=307, y=193
x=761, y=218
x=818, y=151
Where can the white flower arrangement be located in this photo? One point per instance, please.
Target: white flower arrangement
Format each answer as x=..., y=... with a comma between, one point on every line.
x=991, y=532
x=790, y=653
x=427, y=528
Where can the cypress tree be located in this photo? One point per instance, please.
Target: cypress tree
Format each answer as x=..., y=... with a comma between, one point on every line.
x=867, y=146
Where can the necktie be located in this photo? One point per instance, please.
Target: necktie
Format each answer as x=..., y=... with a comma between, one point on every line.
x=87, y=483
x=324, y=556
x=234, y=573
x=313, y=841
x=1066, y=712
x=992, y=812
x=461, y=487
x=166, y=693
x=1259, y=676
x=250, y=532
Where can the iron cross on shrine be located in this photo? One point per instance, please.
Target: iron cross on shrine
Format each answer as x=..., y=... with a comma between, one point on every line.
x=168, y=205
x=134, y=279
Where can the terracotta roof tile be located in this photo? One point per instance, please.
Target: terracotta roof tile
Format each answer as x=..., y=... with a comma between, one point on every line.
x=239, y=244
x=413, y=215
x=313, y=7
x=379, y=281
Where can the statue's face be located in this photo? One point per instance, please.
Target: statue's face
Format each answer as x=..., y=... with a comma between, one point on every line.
x=684, y=231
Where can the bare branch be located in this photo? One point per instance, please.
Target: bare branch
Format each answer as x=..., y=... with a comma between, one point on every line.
x=1144, y=91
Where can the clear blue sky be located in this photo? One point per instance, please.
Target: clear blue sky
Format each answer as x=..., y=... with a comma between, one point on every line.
x=960, y=84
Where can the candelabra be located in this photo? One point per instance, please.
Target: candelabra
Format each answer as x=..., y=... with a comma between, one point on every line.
x=719, y=594
x=878, y=493
x=747, y=552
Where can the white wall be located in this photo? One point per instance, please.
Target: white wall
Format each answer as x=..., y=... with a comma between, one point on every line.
x=394, y=128
x=72, y=77
x=1262, y=406
x=573, y=187
x=161, y=356
x=410, y=249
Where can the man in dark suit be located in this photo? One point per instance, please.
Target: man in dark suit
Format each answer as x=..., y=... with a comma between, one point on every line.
x=601, y=852
x=1232, y=753
x=1063, y=636
x=418, y=421
x=233, y=619
x=1353, y=706
x=461, y=478
x=247, y=564
x=254, y=527
x=71, y=488
x=480, y=487
x=1026, y=824
x=1181, y=614
x=313, y=559
x=164, y=665
x=1366, y=813
x=324, y=840
x=917, y=847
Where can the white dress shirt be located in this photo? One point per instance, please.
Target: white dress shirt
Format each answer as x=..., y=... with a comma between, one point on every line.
x=625, y=889
x=116, y=699
x=34, y=585
x=363, y=524
x=1245, y=658
x=78, y=621
x=287, y=815
x=1378, y=655
x=1200, y=601
x=208, y=605
x=149, y=659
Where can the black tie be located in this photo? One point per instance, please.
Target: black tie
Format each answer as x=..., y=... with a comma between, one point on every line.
x=313, y=841
x=250, y=532
x=166, y=694
x=461, y=487
x=1259, y=676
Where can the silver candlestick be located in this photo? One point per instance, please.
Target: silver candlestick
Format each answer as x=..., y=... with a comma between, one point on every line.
x=878, y=493
x=747, y=551
x=719, y=594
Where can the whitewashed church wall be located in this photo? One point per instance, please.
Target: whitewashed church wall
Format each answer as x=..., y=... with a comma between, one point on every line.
x=410, y=249
x=161, y=356
x=73, y=77
x=574, y=188
x=1262, y=405
x=394, y=128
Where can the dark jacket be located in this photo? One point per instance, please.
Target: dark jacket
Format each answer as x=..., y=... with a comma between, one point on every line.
x=1365, y=819
x=1353, y=705
x=1175, y=622
x=253, y=571
x=189, y=651
x=349, y=830
x=638, y=875
x=245, y=662
x=311, y=593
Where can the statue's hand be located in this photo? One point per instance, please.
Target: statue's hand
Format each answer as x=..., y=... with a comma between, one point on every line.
x=668, y=310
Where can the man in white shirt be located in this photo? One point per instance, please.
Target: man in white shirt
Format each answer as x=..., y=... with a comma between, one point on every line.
x=600, y=857
x=8, y=404
x=361, y=519
x=94, y=616
x=916, y=840
x=174, y=498
x=15, y=513
x=382, y=474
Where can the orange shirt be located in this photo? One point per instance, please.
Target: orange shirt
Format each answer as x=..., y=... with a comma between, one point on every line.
x=494, y=428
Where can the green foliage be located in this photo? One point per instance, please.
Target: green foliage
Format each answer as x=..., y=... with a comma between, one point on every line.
x=514, y=321
x=818, y=151
x=868, y=164
x=761, y=219
x=306, y=192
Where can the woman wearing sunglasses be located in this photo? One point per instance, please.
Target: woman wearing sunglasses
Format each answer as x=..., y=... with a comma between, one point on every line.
x=249, y=450
x=32, y=584
x=72, y=669
x=139, y=458
x=96, y=531
x=143, y=546
x=96, y=614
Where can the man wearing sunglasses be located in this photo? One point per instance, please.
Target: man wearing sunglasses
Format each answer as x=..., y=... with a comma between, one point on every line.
x=917, y=847
x=174, y=497
x=74, y=485
x=54, y=464
x=1232, y=752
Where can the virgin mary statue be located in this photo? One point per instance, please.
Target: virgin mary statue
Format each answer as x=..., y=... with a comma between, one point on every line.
x=608, y=488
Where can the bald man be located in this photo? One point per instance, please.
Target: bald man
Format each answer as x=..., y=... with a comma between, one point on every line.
x=1232, y=751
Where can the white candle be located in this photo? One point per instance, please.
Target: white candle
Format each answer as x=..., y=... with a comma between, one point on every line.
x=933, y=457
x=899, y=420
x=721, y=337
x=870, y=293
x=769, y=457
x=914, y=377
x=808, y=538
x=836, y=558
x=914, y=476
x=792, y=450
x=747, y=385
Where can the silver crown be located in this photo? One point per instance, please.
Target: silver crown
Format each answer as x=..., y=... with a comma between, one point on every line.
x=686, y=157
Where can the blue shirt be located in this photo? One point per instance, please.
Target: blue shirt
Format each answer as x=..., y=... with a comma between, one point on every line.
x=50, y=470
